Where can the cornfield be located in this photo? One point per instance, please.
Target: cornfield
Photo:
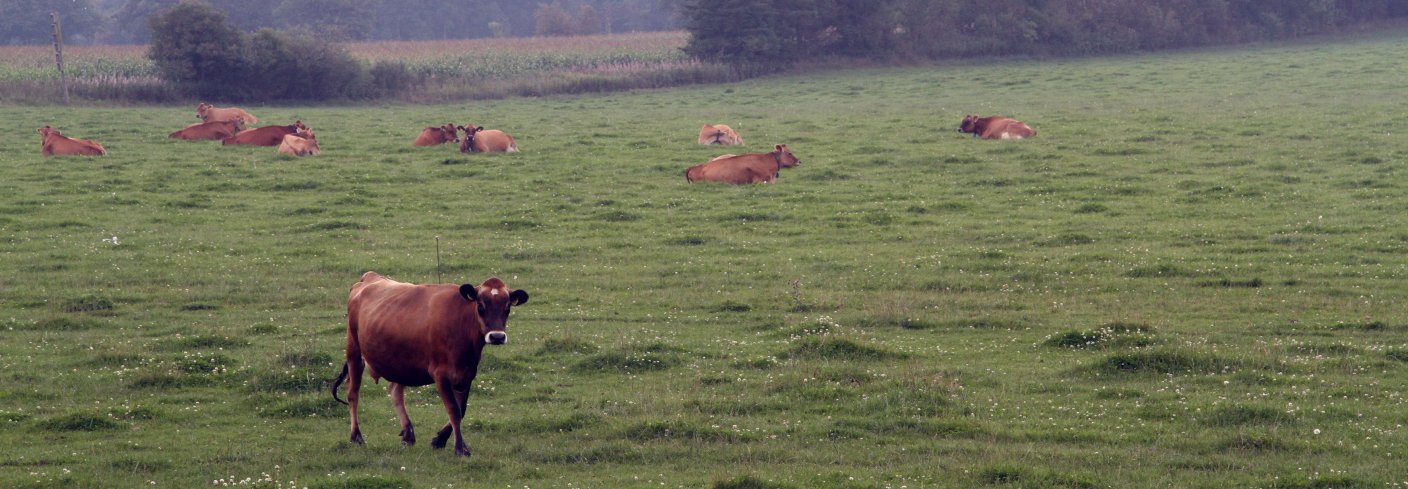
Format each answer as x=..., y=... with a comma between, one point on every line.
x=441, y=70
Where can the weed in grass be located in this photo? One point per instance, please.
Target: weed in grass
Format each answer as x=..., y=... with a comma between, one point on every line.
x=80, y=422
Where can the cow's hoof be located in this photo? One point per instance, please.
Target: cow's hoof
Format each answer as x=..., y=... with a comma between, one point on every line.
x=357, y=439
x=408, y=437
x=462, y=451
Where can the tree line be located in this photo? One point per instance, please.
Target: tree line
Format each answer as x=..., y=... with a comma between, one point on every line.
x=780, y=31
x=125, y=21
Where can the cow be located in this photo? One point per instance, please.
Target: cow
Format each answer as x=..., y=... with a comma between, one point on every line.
x=52, y=143
x=207, y=113
x=431, y=136
x=995, y=127
x=414, y=335
x=480, y=140
x=265, y=136
x=719, y=134
x=745, y=168
x=214, y=130
x=301, y=143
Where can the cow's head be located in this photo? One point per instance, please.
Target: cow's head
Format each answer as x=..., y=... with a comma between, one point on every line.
x=493, y=300
x=45, y=131
x=450, y=132
x=298, y=126
x=201, y=110
x=238, y=124
x=467, y=144
x=784, y=156
x=969, y=124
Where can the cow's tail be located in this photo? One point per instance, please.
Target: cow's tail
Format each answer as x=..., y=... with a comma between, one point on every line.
x=338, y=382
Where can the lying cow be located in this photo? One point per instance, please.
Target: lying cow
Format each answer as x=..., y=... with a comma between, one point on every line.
x=213, y=130
x=480, y=140
x=207, y=113
x=301, y=143
x=995, y=127
x=265, y=136
x=415, y=335
x=719, y=134
x=745, y=168
x=54, y=143
x=431, y=136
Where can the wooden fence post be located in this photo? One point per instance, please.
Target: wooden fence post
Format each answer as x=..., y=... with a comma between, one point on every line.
x=59, y=53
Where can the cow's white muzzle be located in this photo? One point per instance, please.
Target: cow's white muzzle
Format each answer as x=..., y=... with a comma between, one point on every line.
x=496, y=338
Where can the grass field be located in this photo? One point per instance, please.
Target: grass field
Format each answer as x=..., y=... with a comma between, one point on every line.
x=1194, y=276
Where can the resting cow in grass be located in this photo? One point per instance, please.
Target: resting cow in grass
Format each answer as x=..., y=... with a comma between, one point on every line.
x=213, y=130
x=745, y=168
x=208, y=113
x=719, y=134
x=480, y=140
x=301, y=143
x=415, y=335
x=265, y=136
x=995, y=127
x=432, y=136
x=52, y=143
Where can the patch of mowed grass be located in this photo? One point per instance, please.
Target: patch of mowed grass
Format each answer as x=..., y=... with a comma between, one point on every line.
x=885, y=305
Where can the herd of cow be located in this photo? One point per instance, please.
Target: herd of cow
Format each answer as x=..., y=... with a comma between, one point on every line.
x=228, y=126
x=415, y=335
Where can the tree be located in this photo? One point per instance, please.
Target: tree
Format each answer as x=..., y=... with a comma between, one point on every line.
x=196, y=49
x=552, y=20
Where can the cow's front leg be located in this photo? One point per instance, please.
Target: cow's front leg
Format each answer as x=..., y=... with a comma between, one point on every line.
x=451, y=401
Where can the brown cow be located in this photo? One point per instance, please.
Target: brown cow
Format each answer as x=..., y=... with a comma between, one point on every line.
x=214, y=130
x=744, y=168
x=995, y=127
x=301, y=143
x=207, y=113
x=415, y=335
x=480, y=140
x=54, y=143
x=431, y=136
x=265, y=136
x=719, y=134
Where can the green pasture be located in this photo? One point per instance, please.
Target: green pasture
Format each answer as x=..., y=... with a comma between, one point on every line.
x=1194, y=276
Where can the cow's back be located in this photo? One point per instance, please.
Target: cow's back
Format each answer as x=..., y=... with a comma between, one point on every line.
x=60, y=145
x=264, y=136
x=494, y=141
x=737, y=170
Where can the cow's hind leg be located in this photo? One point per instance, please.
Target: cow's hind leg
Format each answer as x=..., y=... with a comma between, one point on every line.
x=449, y=397
x=398, y=398
x=354, y=387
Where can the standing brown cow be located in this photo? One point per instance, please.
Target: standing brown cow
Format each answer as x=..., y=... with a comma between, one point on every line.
x=265, y=136
x=432, y=136
x=215, y=130
x=480, y=140
x=52, y=143
x=206, y=113
x=415, y=335
x=719, y=134
x=995, y=127
x=745, y=168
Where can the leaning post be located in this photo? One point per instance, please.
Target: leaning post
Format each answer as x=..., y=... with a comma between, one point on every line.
x=59, y=52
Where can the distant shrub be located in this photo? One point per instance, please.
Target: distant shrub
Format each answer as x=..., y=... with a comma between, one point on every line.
x=197, y=50
x=748, y=482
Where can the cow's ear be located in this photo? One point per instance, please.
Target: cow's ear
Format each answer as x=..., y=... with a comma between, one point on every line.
x=470, y=292
x=518, y=297
x=777, y=148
